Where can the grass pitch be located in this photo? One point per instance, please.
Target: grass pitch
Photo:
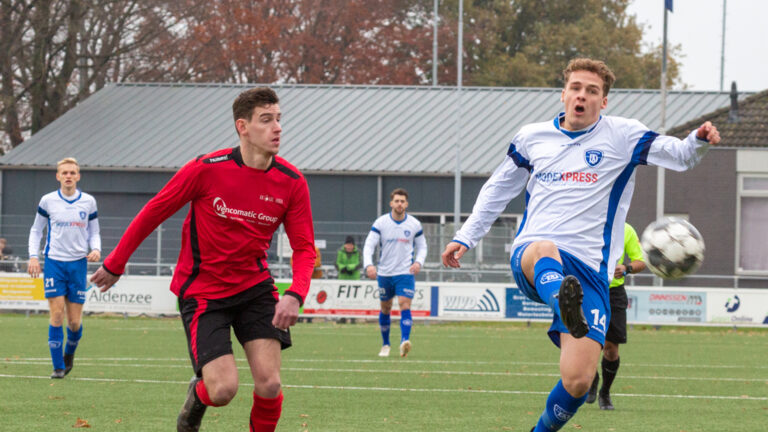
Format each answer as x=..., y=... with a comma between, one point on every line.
x=132, y=374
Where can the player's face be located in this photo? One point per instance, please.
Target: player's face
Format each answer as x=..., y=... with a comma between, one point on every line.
x=68, y=175
x=399, y=203
x=583, y=98
x=262, y=131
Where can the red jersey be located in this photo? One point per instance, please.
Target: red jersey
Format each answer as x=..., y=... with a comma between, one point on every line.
x=234, y=212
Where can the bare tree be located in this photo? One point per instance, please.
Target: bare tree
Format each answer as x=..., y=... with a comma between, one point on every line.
x=55, y=53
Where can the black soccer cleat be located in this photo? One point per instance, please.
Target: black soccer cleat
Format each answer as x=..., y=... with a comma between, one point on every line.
x=592, y=395
x=58, y=374
x=192, y=411
x=570, y=298
x=604, y=400
x=69, y=361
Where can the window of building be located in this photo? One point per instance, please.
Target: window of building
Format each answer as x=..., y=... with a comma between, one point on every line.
x=752, y=211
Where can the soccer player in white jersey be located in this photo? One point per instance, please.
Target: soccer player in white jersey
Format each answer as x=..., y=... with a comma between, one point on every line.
x=578, y=171
x=72, y=239
x=397, y=234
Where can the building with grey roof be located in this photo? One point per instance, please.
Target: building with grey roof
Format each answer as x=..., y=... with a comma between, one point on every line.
x=353, y=143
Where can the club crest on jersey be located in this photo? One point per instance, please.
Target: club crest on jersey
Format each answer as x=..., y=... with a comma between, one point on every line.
x=82, y=215
x=407, y=233
x=593, y=157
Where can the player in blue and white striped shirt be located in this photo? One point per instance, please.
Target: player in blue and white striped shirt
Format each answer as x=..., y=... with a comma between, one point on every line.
x=578, y=172
x=72, y=239
x=397, y=234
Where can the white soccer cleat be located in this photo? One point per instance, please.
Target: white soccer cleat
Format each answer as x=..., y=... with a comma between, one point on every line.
x=405, y=348
x=384, y=351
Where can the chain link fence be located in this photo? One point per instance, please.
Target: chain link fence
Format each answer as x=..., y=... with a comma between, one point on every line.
x=488, y=262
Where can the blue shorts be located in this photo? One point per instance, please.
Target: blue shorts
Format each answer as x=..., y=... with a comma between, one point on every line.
x=66, y=278
x=400, y=285
x=596, y=297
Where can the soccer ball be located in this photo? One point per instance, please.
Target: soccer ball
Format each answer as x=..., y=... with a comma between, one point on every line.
x=672, y=247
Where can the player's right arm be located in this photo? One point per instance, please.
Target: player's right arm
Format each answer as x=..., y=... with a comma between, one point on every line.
x=35, y=235
x=181, y=189
x=506, y=182
x=370, y=245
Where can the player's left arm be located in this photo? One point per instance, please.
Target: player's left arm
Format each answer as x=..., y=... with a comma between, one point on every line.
x=649, y=148
x=301, y=235
x=94, y=235
x=420, y=244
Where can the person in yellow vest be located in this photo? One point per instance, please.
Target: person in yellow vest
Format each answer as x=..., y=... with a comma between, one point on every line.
x=617, y=329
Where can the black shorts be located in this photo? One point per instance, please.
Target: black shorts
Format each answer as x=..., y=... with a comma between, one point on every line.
x=617, y=329
x=208, y=322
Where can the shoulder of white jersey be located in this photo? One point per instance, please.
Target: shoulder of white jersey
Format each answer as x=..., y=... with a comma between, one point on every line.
x=415, y=220
x=381, y=219
x=623, y=122
x=86, y=196
x=50, y=196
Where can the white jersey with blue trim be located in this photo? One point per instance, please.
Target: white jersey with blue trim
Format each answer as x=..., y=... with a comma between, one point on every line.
x=578, y=185
x=73, y=227
x=398, y=241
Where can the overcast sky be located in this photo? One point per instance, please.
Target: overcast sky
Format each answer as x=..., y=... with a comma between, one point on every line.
x=697, y=26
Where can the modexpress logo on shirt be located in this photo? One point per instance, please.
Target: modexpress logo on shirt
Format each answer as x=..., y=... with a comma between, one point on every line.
x=565, y=177
x=221, y=209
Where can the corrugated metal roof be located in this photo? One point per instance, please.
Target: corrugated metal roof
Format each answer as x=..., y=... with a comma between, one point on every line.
x=349, y=129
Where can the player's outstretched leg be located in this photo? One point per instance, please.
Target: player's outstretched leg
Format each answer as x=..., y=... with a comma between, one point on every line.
x=548, y=275
x=192, y=411
x=570, y=299
x=561, y=406
x=73, y=338
x=592, y=395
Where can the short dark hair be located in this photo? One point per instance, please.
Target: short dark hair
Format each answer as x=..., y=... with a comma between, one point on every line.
x=595, y=66
x=398, y=191
x=244, y=104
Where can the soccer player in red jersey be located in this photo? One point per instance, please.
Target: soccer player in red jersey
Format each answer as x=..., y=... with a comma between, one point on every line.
x=238, y=197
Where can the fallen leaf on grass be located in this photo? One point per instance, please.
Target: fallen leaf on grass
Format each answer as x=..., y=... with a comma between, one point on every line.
x=81, y=423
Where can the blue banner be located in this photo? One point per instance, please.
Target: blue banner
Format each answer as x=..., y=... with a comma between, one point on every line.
x=521, y=307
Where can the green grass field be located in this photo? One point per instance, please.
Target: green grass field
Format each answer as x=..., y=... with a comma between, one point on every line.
x=132, y=374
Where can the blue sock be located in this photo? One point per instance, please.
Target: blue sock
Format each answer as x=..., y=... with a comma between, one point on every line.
x=384, y=322
x=405, y=325
x=561, y=406
x=73, y=337
x=548, y=275
x=55, y=342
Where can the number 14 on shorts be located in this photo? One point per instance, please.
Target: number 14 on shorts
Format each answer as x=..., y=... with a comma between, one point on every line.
x=599, y=320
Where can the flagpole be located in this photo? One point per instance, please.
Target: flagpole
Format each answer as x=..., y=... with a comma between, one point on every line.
x=457, y=173
x=660, y=173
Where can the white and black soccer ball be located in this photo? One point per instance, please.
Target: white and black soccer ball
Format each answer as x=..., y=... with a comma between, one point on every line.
x=672, y=247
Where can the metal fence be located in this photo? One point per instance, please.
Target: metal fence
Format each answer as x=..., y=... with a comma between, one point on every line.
x=488, y=262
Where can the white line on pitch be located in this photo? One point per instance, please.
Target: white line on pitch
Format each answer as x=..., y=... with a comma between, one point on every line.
x=398, y=371
x=409, y=361
x=396, y=389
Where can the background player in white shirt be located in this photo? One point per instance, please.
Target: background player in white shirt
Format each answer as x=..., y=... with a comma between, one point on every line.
x=578, y=172
x=72, y=240
x=397, y=234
